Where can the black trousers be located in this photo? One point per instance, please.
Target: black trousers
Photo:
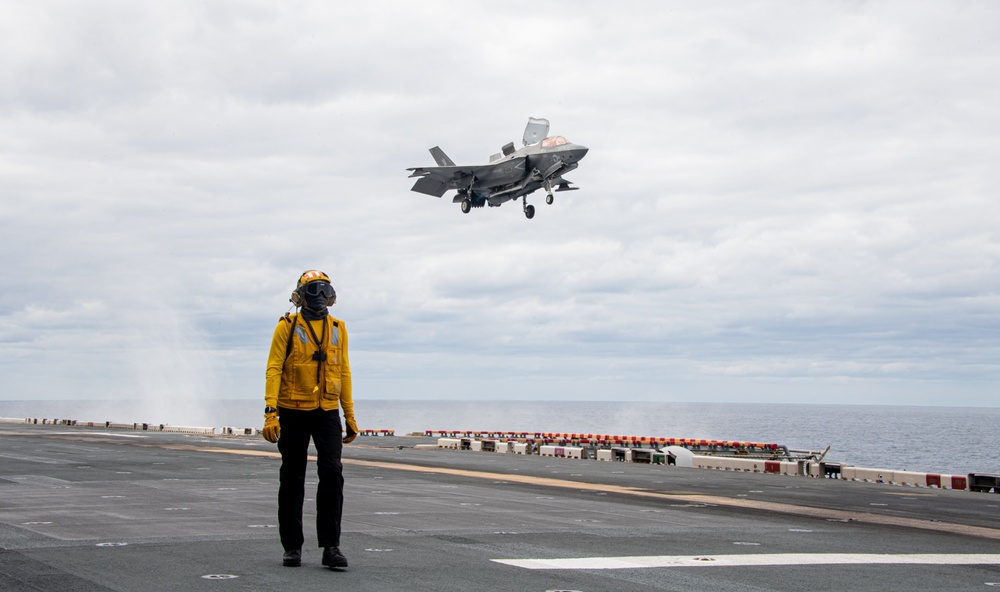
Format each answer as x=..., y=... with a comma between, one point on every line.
x=326, y=433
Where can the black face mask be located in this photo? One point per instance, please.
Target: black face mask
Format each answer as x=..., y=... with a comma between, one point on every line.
x=314, y=307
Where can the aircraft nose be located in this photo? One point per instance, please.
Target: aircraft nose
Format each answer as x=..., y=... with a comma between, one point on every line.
x=580, y=151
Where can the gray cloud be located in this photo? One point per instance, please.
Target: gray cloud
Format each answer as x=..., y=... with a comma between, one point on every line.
x=780, y=202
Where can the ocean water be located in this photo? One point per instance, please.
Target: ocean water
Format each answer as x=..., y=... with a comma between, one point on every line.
x=951, y=440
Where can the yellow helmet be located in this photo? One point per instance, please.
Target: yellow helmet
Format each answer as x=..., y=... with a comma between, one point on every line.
x=304, y=288
x=313, y=275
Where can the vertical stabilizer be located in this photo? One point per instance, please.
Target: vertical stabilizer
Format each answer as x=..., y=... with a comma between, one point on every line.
x=536, y=130
x=440, y=157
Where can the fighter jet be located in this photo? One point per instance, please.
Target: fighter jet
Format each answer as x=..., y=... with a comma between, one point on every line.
x=512, y=174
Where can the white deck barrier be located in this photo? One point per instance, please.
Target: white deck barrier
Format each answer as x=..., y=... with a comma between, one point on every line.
x=186, y=429
x=868, y=475
x=789, y=467
x=546, y=450
x=449, y=443
x=485, y=445
x=682, y=457
x=748, y=465
x=562, y=451
x=520, y=448
x=122, y=426
x=710, y=462
x=911, y=478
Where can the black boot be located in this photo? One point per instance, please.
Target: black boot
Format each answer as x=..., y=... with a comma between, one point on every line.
x=332, y=557
x=292, y=558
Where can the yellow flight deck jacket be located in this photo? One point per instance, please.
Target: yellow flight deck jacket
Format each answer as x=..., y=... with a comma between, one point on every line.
x=292, y=366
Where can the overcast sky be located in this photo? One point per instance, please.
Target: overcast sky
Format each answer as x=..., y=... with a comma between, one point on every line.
x=783, y=201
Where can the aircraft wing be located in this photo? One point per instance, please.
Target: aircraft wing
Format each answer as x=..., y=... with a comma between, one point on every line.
x=437, y=180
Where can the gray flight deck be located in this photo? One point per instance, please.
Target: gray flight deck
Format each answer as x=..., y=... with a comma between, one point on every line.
x=88, y=509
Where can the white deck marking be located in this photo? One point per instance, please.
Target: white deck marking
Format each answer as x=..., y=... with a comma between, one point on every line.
x=638, y=562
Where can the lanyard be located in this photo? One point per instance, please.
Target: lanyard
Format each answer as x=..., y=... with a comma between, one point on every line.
x=319, y=355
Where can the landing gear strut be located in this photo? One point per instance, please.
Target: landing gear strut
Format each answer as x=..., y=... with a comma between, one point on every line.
x=529, y=210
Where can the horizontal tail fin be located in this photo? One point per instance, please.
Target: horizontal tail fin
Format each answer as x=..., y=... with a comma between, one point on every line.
x=429, y=186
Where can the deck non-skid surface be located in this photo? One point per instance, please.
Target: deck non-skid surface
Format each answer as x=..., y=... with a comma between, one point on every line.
x=87, y=509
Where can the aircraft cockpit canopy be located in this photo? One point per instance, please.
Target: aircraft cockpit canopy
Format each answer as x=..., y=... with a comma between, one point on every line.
x=553, y=141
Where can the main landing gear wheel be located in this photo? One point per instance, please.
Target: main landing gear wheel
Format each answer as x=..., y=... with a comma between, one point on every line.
x=549, y=199
x=529, y=211
x=466, y=206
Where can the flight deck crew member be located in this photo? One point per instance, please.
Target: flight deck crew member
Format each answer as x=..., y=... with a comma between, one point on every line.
x=308, y=383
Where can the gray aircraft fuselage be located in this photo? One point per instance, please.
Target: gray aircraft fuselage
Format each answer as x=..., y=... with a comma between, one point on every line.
x=510, y=175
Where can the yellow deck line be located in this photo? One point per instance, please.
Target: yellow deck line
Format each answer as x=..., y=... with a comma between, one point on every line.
x=783, y=508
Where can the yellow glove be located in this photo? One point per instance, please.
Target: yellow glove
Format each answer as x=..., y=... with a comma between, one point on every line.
x=272, y=429
x=351, y=429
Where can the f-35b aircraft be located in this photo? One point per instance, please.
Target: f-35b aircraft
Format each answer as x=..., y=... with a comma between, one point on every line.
x=512, y=174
